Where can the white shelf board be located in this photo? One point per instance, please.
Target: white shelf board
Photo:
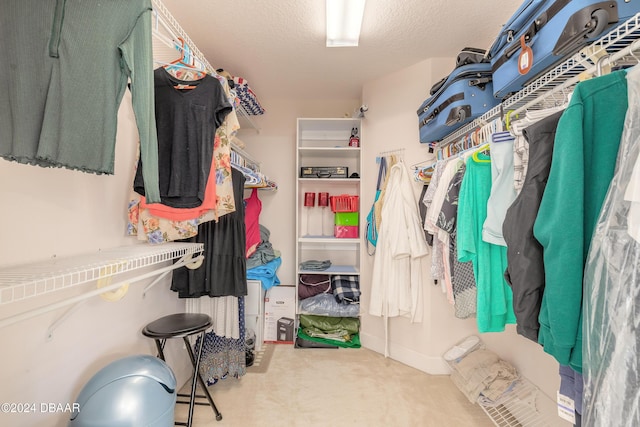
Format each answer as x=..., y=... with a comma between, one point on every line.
x=331, y=180
x=330, y=240
x=316, y=314
x=334, y=269
x=337, y=152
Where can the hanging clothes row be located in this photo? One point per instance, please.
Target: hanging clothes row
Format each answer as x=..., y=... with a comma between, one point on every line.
x=188, y=199
x=526, y=212
x=201, y=199
x=423, y=173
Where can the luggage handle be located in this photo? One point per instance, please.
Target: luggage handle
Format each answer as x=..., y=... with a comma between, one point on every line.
x=325, y=174
x=531, y=31
x=528, y=35
x=430, y=117
x=436, y=87
x=480, y=82
x=436, y=111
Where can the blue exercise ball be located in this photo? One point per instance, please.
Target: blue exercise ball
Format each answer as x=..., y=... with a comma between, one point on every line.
x=134, y=391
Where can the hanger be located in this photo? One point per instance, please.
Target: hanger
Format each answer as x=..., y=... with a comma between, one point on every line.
x=185, y=62
x=484, y=149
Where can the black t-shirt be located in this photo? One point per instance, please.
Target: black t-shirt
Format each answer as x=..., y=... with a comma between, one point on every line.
x=186, y=120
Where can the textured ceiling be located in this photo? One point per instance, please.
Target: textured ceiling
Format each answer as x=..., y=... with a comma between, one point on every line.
x=279, y=45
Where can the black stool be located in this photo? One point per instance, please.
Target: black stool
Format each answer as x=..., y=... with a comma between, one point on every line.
x=183, y=325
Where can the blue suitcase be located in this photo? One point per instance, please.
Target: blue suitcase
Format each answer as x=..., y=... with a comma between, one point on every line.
x=462, y=96
x=541, y=33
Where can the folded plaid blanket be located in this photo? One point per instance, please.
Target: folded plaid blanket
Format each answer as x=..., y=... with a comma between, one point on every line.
x=346, y=289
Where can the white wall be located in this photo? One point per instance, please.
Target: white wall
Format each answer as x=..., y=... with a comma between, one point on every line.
x=57, y=212
x=392, y=123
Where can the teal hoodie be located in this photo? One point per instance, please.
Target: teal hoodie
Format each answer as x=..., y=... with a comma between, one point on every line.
x=584, y=159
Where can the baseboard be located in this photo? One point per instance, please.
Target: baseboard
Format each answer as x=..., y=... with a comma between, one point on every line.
x=428, y=364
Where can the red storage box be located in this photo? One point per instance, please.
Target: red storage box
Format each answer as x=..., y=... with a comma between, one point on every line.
x=346, y=231
x=344, y=203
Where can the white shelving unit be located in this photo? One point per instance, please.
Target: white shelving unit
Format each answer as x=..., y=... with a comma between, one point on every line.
x=325, y=142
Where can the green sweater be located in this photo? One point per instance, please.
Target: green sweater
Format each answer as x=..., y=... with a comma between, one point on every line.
x=584, y=159
x=65, y=67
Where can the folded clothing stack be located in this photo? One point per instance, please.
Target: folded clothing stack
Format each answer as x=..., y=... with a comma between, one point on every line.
x=310, y=285
x=326, y=305
x=338, y=331
x=315, y=265
x=479, y=372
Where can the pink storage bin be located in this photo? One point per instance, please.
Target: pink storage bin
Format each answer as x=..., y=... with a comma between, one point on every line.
x=345, y=231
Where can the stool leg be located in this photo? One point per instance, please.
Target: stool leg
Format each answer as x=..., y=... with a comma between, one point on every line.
x=159, y=346
x=196, y=367
x=199, y=377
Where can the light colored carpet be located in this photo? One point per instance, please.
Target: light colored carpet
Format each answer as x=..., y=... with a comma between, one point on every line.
x=337, y=387
x=262, y=360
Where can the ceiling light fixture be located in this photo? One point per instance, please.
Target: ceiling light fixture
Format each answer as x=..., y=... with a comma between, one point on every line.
x=344, y=19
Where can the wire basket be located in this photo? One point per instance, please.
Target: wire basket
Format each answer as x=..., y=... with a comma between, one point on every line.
x=344, y=203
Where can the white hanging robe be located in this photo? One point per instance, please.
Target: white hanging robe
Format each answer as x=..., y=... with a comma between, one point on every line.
x=399, y=264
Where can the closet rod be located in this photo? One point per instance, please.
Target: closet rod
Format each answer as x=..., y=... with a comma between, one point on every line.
x=396, y=151
x=478, y=135
x=244, y=155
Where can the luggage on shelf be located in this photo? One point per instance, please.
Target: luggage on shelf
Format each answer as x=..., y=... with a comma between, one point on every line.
x=542, y=33
x=465, y=94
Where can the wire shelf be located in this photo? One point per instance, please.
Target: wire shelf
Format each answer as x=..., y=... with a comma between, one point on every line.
x=518, y=407
x=166, y=30
x=560, y=79
x=31, y=280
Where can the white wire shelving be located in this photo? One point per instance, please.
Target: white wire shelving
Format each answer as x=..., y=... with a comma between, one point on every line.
x=166, y=30
x=522, y=404
x=31, y=280
x=545, y=90
x=518, y=407
x=27, y=281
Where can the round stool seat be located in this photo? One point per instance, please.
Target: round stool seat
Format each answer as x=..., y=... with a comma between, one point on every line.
x=177, y=325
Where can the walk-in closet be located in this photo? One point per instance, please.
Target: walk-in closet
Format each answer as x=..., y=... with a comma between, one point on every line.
x=230, y=213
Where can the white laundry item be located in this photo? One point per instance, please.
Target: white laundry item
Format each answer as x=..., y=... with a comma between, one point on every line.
x=400, y=261
x=224, y=313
